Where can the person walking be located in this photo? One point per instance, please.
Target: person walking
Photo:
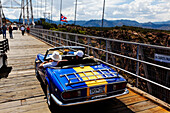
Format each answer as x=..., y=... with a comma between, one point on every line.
x=4, y=31
x=28, y=30
x=22, y=30
x=10, y=32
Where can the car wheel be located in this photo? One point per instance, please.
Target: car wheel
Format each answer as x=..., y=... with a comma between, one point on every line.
x=48, y=95
x=50, y=101
x=36, y=71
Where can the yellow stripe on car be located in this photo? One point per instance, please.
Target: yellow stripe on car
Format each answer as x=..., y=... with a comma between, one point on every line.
x=90, y=83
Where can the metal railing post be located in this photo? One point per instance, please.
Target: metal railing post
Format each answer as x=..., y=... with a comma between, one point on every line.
x=113, y=57
x=51, y=37
x=48, y=37
x=42, y=34
x=39, y=35
x=137, y=66
x=67, y=37
x=145, y=70
x=46, y=34
x=60, y=37
x=55, y=39
x=76, y=39
x=88, y=49
x=107, y=50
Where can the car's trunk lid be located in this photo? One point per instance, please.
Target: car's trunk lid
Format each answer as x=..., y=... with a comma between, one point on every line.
x=86, y=76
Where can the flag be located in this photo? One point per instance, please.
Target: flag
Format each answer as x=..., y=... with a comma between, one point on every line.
x=63, y=18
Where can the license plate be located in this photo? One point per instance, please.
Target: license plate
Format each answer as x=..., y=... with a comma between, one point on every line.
x=97, y=90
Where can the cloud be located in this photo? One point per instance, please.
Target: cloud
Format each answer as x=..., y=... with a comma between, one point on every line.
x=140, y=10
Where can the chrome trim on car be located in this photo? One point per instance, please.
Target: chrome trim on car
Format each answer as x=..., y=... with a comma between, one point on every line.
x=92, y=86
x=83, y=102
x=90, y=96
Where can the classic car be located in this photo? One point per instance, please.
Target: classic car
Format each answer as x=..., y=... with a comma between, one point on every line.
x=74, y=82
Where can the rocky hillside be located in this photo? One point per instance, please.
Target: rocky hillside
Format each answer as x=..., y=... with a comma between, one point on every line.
x=135, y=34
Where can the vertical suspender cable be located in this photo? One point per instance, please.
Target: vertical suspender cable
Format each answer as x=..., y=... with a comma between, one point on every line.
x=27, y=13
x=32, y=17
x=0, y=13
x=23, y=12
x=37, y=10
x=60, y=10
x=45, y=9
x=51, y=10
x=75, y=13
x=20, y=14
x=41, y=10
x=103, y=13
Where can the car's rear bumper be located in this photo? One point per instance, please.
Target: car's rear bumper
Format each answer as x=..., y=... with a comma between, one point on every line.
x=83, y=102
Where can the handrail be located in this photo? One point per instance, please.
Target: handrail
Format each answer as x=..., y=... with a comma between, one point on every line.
x=108, y=39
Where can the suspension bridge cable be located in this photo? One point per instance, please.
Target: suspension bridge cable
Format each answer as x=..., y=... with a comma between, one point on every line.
x=26, y=4
x=37, y=9
x=60, y=10
x=41, y=9
x=51, y=10
x=103, y=12
x=45, y=10
x=75, y=13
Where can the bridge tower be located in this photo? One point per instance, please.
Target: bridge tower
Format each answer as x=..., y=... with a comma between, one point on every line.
x=13, y=4
x=28, y=5
x=2, y=16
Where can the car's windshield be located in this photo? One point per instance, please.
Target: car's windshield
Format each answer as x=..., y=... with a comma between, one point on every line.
x=70, y=57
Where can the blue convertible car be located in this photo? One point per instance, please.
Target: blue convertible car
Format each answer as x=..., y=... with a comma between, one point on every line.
x=74, y=82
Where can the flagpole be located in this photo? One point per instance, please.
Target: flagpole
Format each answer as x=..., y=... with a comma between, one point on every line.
x=51, y=10
x=41, y=10
x=103, y=13
x=60, y=10
x=75, y=13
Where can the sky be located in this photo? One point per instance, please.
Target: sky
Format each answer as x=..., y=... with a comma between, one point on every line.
x=138, y=10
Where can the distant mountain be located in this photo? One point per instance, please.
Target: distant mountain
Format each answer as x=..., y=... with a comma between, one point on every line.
x=166, y=22
x=107, y=23
x=113, y=23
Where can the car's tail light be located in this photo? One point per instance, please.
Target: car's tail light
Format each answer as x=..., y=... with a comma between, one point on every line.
x=119, y=86
x=71, y=94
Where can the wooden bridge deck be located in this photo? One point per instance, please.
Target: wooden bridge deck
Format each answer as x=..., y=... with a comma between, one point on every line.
x=22, y=92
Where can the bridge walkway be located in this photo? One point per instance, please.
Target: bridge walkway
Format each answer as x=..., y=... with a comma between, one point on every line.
x=22, y=92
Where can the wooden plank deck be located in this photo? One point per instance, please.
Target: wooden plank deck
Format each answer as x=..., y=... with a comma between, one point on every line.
x=22, y=92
